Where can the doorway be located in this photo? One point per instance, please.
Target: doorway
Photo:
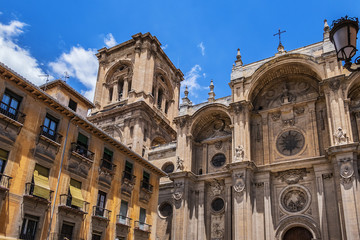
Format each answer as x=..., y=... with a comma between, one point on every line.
x=298, y=233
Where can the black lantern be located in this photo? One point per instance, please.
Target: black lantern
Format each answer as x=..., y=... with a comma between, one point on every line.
x=343, y=35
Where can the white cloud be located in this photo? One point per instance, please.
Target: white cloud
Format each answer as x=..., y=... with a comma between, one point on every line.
x=164, y=47
x=202, y=48
x=16, y=57
x=109, y=40
x=81, y=64
x=191, y=80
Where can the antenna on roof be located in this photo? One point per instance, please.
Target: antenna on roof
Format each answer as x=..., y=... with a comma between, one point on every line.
x=47, y=79
x=66, y=76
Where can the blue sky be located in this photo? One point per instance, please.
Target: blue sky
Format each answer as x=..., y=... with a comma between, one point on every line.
x=200, y=37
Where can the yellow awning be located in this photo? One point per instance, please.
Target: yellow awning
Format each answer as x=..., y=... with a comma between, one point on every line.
x=75, y=191
x=41, y=182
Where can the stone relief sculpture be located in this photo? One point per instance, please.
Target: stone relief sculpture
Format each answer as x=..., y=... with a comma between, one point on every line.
x=179, y=164
x=295, y=199
x=216, y=187
x=340, y=137
x=178, y=190
x=239, y=182
x=292, y=176
x=239, y=153
x=346, y=170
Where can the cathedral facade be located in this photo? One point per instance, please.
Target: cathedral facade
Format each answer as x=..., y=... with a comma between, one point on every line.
x=277, y=159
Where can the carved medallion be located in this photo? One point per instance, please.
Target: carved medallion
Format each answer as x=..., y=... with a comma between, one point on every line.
x=216, y=187
x=239, y=182
x=295, y=199
x=178, y=190
x=290, y=142
x=346, y=169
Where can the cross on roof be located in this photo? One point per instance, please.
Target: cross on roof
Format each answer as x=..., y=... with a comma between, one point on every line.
x=279, y=33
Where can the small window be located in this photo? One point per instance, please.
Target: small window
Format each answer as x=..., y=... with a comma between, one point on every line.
x=217, y=204
x=166, y=107
x=101, y=202
x=168, y=167
x=10, y=103
x=107, y=159
x=159, y=100
x=165, y=209
x=128, y=170
x=29, y=226
x=218, y=160
x=146, y=177
x=41, y=182
x=67, y=230
x=145, y=135
x=3, y=159
x=123, y=212
x=96, y=236
x=50, y=127
x=142, y=216
x=143, y=152
x=77, y=199
x=72, y=105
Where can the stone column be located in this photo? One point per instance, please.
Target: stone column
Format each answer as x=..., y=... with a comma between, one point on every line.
x=201, y=211
x=228, y=208
x=344, y=158
x=125, y=88
x=115, y=93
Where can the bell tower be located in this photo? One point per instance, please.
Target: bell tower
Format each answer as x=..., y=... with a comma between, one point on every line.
x=137, y=93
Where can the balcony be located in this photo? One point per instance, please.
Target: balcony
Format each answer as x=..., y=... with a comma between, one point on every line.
x=81, y=160
x=146, y=190
x=31, y=194
x=142, y=227
x=128, y=182
x=101, y=213
x=11, y=114
x=4, y=182
x=50, y=136
x=123, y=220
x=65, y=205
x=106, y=172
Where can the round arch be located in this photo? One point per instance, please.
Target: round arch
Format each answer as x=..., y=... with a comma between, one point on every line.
x=282, y=66
x=353, y=83
x=157, y=141
x=297, y=221
x=113, y=68
x=161, y=72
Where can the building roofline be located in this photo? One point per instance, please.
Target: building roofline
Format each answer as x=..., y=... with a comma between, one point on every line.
x=59, y=82
x=38, y=93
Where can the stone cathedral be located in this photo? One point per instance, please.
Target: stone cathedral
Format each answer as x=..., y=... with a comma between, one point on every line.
x=277, y=159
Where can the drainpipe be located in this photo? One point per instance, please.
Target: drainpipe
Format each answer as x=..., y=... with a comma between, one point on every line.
x=58, y=181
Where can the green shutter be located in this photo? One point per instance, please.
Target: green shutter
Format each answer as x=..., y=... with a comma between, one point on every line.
x=82, y=139
x=146, y=176
x=108, y=152
x=3, y=154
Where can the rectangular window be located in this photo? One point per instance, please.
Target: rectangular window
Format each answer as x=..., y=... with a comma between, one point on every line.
x=67, y=231
x=96, y=236
x=10, y=103
x=142, y=218
x=3, y=159
x=101, y=201
x=41, y=182
x=72, y=105
x=77, y=199
x=128, y=170
x=82, y=145
x=107, y=159
x=123, y=212
x=50, y=127
x=29, y=225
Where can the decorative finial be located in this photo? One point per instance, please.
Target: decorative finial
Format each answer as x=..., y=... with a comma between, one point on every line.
x=185, y=100
x=326, y=30
x=211, y=93
x=186, y=92
x=280, y=48
x=238, y=61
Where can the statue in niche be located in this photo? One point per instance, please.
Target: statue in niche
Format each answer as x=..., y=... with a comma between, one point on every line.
x=340, y=137
x=239, y=153
x=179, y=164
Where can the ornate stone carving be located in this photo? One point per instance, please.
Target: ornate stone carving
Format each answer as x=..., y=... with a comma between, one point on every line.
x=275, y=116
x=290, y=142
x=178, y=190
x=334, y=84
x=217, y=231
x=289, y=122
x=239, y=182
x=299, y=110
x=292, y=176
x=340, y=137
x=218, y=145
x=237, y=107
x=294, y=199
x=259, y=184
x=239, y=153
x=216, y=187
x=179, y=164
x=346, y=170
x=286, y=96
x=327, y=175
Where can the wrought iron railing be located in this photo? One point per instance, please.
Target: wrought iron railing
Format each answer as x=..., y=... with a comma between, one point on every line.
x=83, y=151
x=51, y=134
x=5, y=181
x=12, y=113
x=107, y=164
x=142, y=226
x=123, y=220
x=128, y=176
x=147, y=186
x=101, y=212
x=29, y=190
x=65, y=200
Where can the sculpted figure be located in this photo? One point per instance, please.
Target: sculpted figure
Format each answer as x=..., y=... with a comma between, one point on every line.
x=340, y=136
x=239, y=153
x=179, y=164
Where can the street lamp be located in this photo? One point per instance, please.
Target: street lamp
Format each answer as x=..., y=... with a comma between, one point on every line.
x=343, y=35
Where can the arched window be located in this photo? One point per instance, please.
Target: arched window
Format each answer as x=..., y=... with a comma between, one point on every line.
x=159, y=100
x=120, y=89
x=110, y=94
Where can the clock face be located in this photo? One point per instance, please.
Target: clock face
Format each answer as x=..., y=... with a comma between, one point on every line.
x=290, y=142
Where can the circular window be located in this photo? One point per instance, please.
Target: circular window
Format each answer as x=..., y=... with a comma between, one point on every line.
x=168, y=167
x=217, y=204
x=290, y=142
x=165, y=209
x=218, y=160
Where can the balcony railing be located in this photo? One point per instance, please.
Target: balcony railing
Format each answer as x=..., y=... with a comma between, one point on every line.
x=120, y=219
x=50, y=134
x=128, y=176
x=29, y=190
x=107, y=164
x=65, y=200
x=101, y=212
x=4, y=181
x=83, y=151
x=147, y=186
x=12, y=113
x=142, y=226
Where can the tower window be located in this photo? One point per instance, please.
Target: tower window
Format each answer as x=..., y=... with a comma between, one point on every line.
x=110, y=94
x=159, y=100
x=166, y=107
x=72, y=105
